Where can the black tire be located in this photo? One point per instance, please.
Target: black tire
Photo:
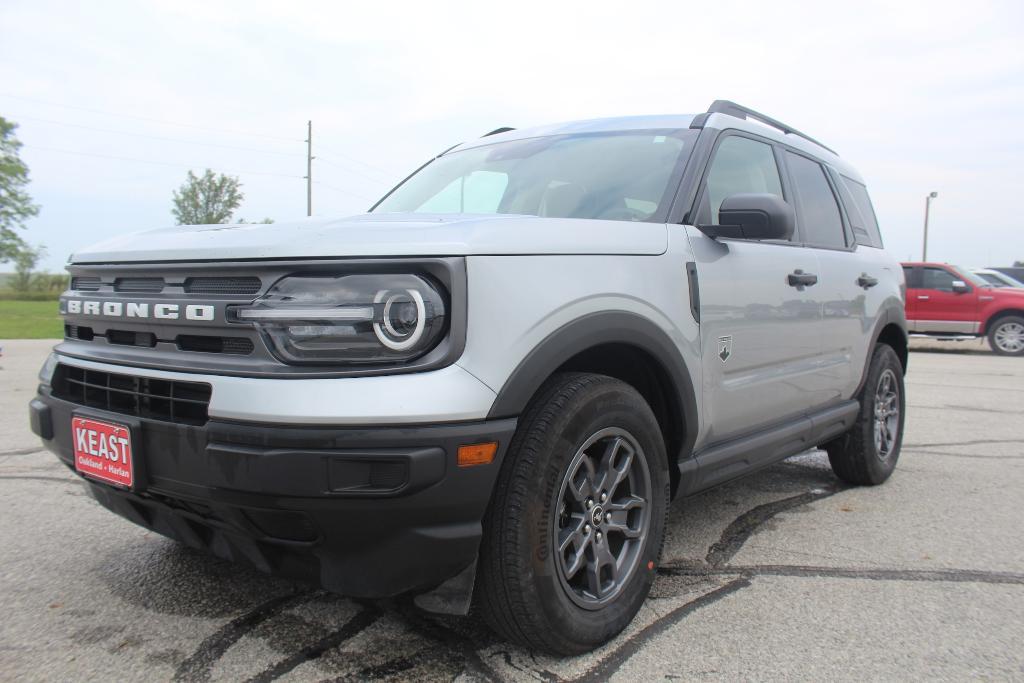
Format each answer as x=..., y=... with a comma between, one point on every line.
x=522, y=589
x=856, y=457
x=1004, y=336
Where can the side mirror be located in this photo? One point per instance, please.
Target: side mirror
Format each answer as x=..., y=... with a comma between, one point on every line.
x=751, y=216
x=960, y=287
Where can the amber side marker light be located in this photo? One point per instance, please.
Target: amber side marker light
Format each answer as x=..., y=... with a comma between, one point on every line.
x=477, y=454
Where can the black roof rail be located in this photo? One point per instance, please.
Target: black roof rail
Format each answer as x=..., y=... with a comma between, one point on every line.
x=503, y=129
x=741, y=112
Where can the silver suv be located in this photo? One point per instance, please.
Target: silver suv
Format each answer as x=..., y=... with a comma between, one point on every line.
x=489, y=387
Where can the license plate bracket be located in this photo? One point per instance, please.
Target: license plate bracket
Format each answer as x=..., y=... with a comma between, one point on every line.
x=105, y=450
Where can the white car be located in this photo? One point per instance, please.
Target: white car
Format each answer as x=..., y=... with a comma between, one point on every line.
x=997, y=279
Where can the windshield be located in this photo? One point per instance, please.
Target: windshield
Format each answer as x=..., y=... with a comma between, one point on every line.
x=614, y=176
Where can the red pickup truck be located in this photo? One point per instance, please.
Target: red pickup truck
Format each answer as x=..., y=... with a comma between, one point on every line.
x=951, y=302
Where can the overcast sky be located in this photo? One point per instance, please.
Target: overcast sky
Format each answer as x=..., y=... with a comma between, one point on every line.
x=117, y=100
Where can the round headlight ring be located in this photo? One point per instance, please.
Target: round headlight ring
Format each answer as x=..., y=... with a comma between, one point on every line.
x=384, y=328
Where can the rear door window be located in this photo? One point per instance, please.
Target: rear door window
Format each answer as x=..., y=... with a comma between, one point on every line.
x=816, y=206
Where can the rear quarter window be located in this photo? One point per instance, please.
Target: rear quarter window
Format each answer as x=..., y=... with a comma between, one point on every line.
x=861, y=213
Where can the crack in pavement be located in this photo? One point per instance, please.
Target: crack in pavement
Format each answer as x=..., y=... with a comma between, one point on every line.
x=353, y=627
x=946, y=444
x=456, y=644
x=199, y=665
x=884, y=574
x=744, y=526
x=966, y=386
x=23, y=451
x=62, y=480
x=979, y=456
x=613, y=662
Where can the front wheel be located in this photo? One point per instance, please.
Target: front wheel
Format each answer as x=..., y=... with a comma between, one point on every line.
x=1006, y=336
x=867, y=454
x=575, y=529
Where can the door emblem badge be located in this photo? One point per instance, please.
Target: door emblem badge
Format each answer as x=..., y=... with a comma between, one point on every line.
x=725, y=347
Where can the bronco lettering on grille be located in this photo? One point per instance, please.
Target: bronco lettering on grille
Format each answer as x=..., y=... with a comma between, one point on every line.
x=133, y=309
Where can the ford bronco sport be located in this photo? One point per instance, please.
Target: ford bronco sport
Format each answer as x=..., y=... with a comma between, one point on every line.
x=489, y=387
x=950, y=302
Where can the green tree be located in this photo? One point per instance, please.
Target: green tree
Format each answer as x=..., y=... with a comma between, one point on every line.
x=207, y=199
x=25, y=261
x=15, y=204
x=50, y=283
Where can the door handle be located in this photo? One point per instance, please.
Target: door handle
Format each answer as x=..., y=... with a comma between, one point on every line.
x=800, y=279
x=922, y=297
x=866, y=281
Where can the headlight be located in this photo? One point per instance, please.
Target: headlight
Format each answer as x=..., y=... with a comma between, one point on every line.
x=364, y=319
x=46, y=372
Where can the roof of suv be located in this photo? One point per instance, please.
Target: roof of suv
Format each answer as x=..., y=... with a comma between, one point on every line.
x=720, y=116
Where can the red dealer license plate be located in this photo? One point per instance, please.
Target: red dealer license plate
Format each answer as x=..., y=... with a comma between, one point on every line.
x=103, y=451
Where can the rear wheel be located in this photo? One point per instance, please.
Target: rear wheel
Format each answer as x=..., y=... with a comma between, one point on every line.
x=1006, y=336
x=867, y=454
x=578, y=518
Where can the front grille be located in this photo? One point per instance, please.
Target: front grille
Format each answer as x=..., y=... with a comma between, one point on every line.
x=85, y=284
x=146, y=397
x=148, y=285
x=78, y=332
x=222, y=285
x=129, y=338
x=212, y=344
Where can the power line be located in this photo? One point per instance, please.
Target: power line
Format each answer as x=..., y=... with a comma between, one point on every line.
x=151, y=120
x=343, y=191
x=309, y=168
x=157, y=137
x=355, y=161
x=347, y=169
x=359, y=174
x=154, y=162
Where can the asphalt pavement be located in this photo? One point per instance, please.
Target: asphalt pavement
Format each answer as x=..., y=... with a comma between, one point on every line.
x=784, y=575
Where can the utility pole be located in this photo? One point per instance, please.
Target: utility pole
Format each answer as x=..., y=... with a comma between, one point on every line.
x=927, y=206
x=309, y=168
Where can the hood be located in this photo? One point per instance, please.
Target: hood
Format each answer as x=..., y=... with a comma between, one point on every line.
x=1011, y=293
x=393, y=234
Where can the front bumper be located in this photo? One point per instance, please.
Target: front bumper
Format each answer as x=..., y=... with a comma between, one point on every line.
x=363, y=511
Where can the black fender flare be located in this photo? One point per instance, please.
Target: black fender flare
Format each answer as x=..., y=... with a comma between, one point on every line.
x=893, y=314
x=597, y=329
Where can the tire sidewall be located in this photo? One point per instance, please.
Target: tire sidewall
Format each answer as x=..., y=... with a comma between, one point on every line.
x=610, y=404
x=992, y=335
x=883, y=359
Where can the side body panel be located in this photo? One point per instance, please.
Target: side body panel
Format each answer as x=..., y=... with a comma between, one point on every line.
x=993, y=303
x=851, y=313
x=517, y=304
x=760, y=337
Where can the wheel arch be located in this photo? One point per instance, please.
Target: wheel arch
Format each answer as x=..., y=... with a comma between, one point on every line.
x=998, y=315
x=891, y=329
x=623, y=345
